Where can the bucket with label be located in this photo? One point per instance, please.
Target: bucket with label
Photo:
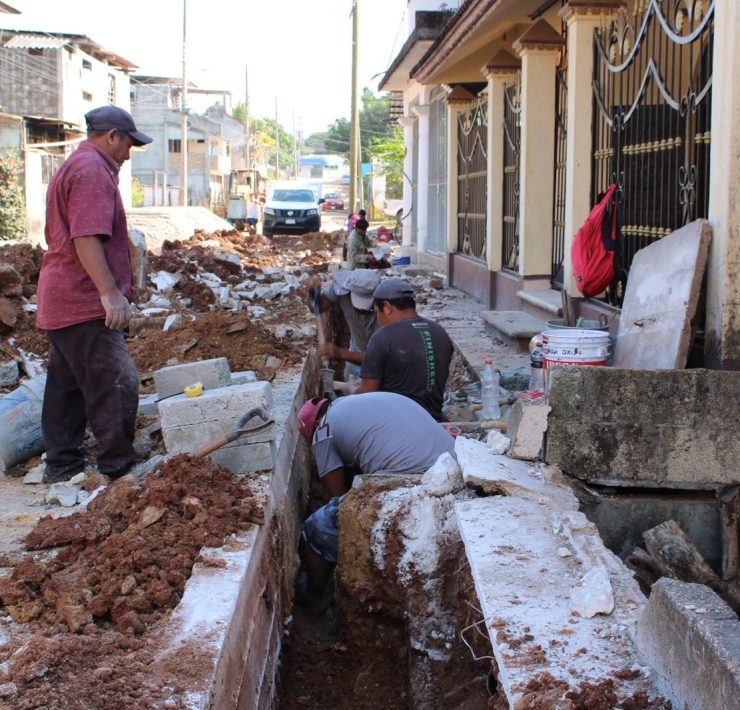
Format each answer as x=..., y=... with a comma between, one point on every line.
x=575, y=347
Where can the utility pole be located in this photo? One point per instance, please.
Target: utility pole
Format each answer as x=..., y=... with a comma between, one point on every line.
x=295, y=149
x=354, y=139
x=184, y=107
x=246, y=120
x=277, y=144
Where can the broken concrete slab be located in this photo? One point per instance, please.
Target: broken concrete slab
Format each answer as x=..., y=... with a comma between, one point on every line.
x=212, y=374
x=527, y=427
x=36, y=474
x=651, y=428
x=494, y=474
x=691, y=638
x=524, y=584
x=138, y=252
x=63, y=494
x=661, y=299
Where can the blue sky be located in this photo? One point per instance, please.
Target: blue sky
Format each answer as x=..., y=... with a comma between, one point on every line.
x=297, y=51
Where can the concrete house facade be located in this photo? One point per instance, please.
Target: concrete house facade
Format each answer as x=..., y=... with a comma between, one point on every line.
x=518, y=114
x=155, y=106
x=49, y=81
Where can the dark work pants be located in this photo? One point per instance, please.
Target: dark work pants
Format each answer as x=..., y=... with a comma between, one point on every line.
x=91, y=378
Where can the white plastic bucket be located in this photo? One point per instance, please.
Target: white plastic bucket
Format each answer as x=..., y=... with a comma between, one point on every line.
x=574, y=347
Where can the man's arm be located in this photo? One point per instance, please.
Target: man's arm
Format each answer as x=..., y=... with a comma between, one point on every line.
x=333, y=484
x=368, y=385
x=334, y=352
x=92, y=257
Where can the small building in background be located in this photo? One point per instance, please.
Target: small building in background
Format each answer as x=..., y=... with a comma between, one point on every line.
x=322, y=166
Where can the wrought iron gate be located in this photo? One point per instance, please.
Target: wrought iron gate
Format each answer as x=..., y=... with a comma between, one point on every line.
x=652, y=114
x=512, y=142
x=472, y=139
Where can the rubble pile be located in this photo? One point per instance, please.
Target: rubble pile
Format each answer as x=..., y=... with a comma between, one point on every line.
x=126, y=559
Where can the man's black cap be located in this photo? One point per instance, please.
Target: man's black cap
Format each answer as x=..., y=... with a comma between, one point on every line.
x=106, y=118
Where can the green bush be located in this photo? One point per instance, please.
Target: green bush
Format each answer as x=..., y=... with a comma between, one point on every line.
x=137, y=193
x=12, y=204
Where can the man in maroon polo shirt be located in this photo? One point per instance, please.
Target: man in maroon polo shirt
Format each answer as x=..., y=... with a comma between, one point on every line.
x=84, y=291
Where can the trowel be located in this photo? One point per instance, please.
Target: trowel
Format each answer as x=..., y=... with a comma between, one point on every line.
x=327, y=373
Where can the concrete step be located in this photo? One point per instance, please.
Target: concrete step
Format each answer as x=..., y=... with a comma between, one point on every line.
x=549, y=301
x=515, y=328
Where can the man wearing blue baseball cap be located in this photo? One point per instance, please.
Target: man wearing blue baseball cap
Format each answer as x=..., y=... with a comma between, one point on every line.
x=84, y=290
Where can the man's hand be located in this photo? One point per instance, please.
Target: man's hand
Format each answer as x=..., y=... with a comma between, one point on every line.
x=331, y=351
x=117, y=310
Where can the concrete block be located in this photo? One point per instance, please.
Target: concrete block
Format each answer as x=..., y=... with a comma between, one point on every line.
x=212, y=373
x=691, y=639
x=9, y=373
x=527, y=427
x=650, y=428
x=188, y=423
x=148, y=405
x=225, y=405
x=241, y=378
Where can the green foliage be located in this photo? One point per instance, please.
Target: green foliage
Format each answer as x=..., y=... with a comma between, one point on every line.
x=374, y=127
x=239, y=113
x=12, y=205
x=137, y=193
x=390, y=153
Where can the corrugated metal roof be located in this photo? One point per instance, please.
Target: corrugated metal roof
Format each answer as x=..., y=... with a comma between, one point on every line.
x=33, y=41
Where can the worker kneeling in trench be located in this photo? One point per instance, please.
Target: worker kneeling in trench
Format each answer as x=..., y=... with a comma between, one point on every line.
x=373, y=433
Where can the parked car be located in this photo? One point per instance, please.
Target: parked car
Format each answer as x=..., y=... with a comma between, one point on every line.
x=333, y=201
x=291, y=207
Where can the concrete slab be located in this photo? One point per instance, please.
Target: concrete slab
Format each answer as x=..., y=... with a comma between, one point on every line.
x=548, y=300
x=661, y=299
x=515, y=328
x=495, y=474
x=650, y=428
x=692, y=640
x=524, y=574
x=527, y=427
x=212, y=374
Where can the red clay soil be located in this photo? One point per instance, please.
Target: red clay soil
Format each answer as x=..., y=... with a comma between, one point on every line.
x=244, y=343
x=127, y=558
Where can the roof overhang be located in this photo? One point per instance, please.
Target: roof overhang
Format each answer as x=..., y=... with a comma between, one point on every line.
x=475, y=32
x=428, y=26
x=4, y=7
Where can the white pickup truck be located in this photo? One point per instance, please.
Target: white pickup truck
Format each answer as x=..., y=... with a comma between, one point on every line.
x=292, y=207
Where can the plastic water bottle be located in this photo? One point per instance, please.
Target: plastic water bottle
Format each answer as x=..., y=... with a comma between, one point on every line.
x=489, y=386
x=537, y=373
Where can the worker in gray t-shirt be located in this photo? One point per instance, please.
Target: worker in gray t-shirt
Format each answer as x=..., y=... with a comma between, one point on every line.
x=379, y=432
x=352, y=292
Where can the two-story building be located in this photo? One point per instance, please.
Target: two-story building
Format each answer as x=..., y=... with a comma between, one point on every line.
x=518, y=114
x=156, y=107
x=49, y=81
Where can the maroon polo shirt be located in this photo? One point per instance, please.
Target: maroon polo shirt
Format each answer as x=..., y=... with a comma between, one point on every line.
x=82, y=201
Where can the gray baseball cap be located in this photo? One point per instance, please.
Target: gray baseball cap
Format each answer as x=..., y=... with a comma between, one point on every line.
x=106, y=118
x=360, y=284
x=390, y=289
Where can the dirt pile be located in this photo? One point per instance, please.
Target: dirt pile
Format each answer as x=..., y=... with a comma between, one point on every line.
x=126, y=559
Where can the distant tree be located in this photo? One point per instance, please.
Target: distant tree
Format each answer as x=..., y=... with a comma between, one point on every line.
x=239, y=113
x=389, y=153
x=12, y=205
x=374, y=127
x=137, y=193
x=316, y=144
x=263, y=130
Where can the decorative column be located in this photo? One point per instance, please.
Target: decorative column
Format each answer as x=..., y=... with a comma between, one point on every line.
x=458, y=99
x=538, y=48
x=722, y=340
x=500, y=70
x=422, y=177
x=408, y=170
x=582, y=17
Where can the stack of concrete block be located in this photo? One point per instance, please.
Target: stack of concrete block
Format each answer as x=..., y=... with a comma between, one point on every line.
x=190, y=422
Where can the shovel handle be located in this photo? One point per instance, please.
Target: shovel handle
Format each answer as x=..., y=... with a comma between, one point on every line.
x=212, y=445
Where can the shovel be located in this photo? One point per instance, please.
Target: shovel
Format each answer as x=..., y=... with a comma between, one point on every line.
x=327, y=374
x=242, y=430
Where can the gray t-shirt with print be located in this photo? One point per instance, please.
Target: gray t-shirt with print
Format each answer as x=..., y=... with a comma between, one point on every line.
x=379, y=432
x=362, y=324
